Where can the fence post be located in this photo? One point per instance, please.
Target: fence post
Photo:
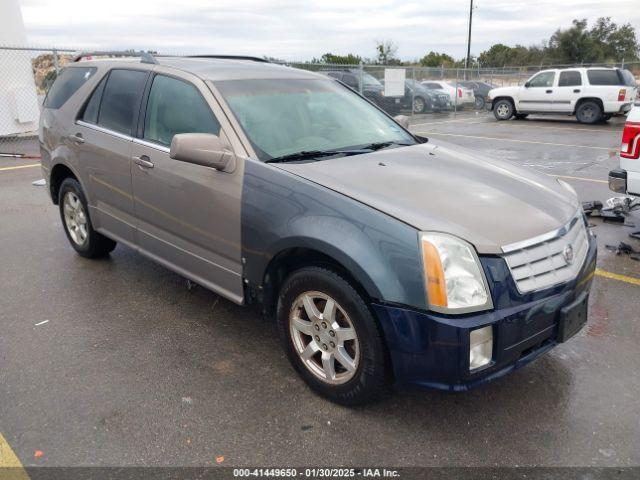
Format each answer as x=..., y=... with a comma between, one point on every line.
x=55, y=61
x=413, y=89
x=455, y=95
x=360, y=72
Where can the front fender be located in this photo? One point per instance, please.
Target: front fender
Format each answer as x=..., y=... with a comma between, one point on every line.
x=281, y=211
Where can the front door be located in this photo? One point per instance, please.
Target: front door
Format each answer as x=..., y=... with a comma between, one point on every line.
x=537, y=94
x=188, y=216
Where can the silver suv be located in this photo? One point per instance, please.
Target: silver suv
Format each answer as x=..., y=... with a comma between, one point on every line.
x=383, y=258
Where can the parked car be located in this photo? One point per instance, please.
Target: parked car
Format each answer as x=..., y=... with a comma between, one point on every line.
x=626, y=179
x=420, y=99
x=480, y=92
x=383, y=258
x=463, y=96
x=590, y=94
x=372, y=88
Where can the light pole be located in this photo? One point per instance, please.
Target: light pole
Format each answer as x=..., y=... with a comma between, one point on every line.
x=467, y=60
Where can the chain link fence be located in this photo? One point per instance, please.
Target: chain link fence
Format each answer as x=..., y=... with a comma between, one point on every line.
x=420, y=92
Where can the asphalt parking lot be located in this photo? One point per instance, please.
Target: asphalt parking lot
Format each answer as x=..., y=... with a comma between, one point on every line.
x=131, y=368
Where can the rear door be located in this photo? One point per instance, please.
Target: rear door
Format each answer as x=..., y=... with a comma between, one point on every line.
x=537, y=94
x=568, y=91
x=188, y=216
x=103, y=138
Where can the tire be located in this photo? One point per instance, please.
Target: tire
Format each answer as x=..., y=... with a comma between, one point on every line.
x=589, y=112
x=419, y=105
x=350, y=324
x=521, y=116
x=480, y=102
x=503, y=109
x=77, y=224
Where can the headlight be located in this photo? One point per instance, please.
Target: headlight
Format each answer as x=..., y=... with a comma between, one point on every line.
x=454, y=279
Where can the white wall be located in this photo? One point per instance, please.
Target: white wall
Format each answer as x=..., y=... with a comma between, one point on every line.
x=19, y=109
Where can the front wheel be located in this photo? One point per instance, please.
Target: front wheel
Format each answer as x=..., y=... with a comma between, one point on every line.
x=503, y=110
x=589, y=112
x=331, y=337
x=77, y=224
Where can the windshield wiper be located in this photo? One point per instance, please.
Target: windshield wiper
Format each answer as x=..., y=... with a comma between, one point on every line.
x=310, y=154
x=381, y=145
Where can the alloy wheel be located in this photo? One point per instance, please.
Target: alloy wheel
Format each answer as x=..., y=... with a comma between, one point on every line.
x=75, y=218
x=324, y=337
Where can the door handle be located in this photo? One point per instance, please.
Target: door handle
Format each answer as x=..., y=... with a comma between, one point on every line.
x=77, y=138
x=549, y=91
x=143, y=161
x=577, y=90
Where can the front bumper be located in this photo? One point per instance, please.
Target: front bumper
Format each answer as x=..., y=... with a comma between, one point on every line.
x=432, y=350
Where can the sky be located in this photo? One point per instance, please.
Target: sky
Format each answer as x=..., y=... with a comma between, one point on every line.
x=301, y=30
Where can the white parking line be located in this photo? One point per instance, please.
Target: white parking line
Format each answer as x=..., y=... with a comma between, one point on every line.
x=518, y=141
x=579, y=178
x=460, y=120
x=559, y=128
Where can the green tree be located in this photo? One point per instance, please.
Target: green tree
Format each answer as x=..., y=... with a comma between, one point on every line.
x=436, y=59
x=349, y=59
x=386, y=53
x=614, y=43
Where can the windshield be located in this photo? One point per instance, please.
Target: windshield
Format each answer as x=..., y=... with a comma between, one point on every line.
x=370, y=81
x=283, y=117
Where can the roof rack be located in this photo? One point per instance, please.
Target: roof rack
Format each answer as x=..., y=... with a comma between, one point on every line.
x=231, y=57
x=145, y=57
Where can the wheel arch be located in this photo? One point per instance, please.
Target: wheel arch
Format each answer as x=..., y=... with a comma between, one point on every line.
x=504, y=97
x=60, y=172
x=588, y=99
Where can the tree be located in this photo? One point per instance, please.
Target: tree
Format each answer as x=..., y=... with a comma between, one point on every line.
x=386, y=51
x=614, y=43
x=348, y=59
x=573, y=45
x=436, y=59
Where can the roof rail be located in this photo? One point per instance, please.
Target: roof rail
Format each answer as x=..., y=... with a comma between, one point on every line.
x=231, y=57
x=145, y=57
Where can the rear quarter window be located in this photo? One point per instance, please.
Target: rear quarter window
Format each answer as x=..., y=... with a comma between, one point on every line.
x=604, y=77
x=121, y=100
x=67, y=83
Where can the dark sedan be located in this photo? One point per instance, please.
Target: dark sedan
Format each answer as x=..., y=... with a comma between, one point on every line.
x=480, y=91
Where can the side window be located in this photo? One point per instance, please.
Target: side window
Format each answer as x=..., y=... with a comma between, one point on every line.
x=604, y=77
x=175, y=106
x=67, y=83
x=544, y=79
x=350, y=80
x=433, y=86
x=570, y=79
x=120, y=100
x=90, y=113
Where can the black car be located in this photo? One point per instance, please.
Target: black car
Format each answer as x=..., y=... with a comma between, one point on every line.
x=424, y=99
x=480, y=91
x=372, y=89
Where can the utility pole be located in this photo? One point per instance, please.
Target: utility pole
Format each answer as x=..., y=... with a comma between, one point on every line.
x=467, y=61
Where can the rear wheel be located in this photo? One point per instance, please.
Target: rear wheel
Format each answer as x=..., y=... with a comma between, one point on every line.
x=589, y=112
x=503, y=109
x=419, y=105
x=480, y=102
x=77, y=224
x=331, y=337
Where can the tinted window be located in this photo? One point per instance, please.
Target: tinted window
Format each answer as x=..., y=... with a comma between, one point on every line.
x=544, y=79
x=120, y=100
x=570, y=79
x=176, y=107
x=603, y=77
x=67, y=83
x=432, y=86
x=628, y=77
x=91, y=109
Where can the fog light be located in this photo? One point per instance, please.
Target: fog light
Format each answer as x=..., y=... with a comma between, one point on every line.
x=480, y=347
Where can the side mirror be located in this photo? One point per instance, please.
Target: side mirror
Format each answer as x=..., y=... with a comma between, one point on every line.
x=527, y=84
x=403, y=120
x=201, y=149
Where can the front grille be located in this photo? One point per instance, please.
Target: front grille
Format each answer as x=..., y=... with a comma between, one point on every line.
x=549, y=259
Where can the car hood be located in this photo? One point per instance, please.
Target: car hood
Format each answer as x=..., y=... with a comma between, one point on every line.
x=500, y=91
x=446, y=188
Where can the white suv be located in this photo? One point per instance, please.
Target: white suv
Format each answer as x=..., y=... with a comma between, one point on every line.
x=591, y=94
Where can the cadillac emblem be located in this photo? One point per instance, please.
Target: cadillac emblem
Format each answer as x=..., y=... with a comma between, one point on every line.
x=567, y=253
